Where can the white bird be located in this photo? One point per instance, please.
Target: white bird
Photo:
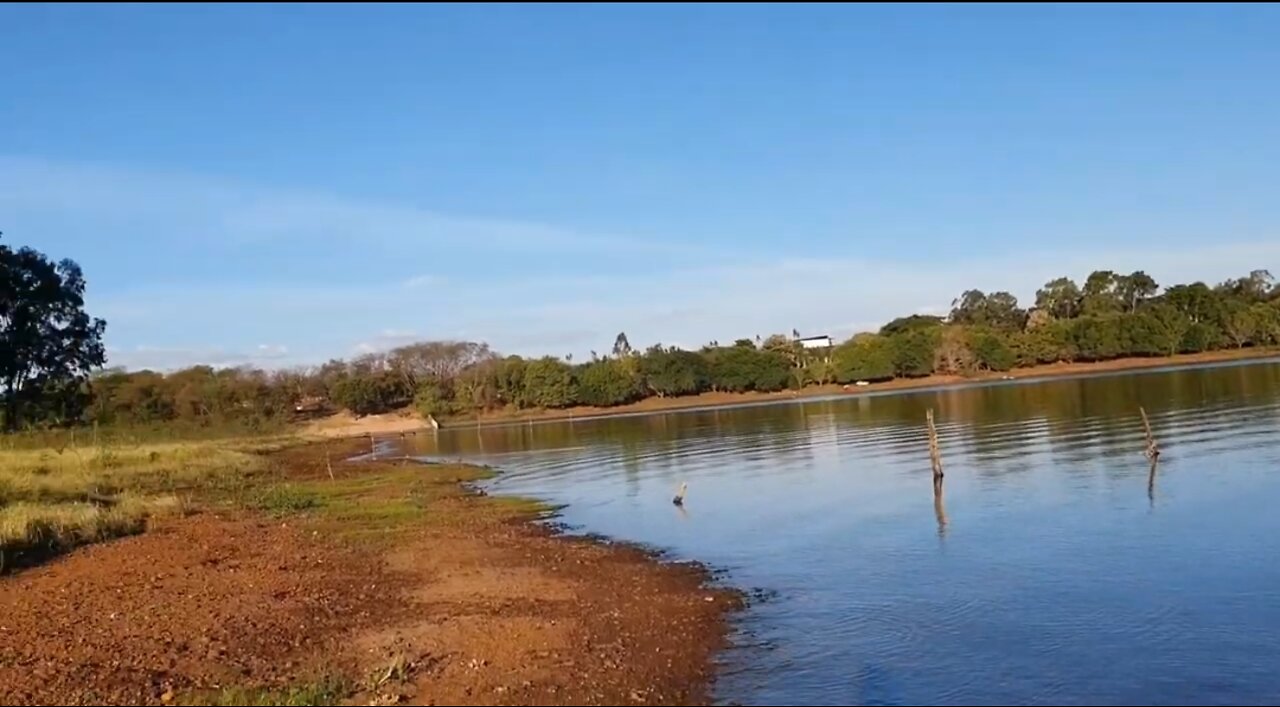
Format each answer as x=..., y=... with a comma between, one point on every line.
x=679, y=499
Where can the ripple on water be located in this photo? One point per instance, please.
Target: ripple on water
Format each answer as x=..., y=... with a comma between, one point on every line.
x=1051, y=573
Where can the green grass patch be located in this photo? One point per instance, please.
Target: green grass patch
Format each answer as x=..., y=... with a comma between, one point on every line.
x=284, y=499
x=327, y=691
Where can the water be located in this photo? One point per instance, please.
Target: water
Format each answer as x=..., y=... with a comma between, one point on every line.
x=1053, y=573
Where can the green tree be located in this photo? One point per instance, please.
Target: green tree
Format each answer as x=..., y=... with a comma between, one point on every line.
x=1060, y=298
x=969, y=308
x=1266, y=323
x=915, y=321
x=1049, y=343
x=672, y=372
x=509, y=381
x=1098, y=338
x=1238, y=322
x=913, y=352
x=433, y=400
x=606, y=383
x=865, y=357
x=1201, y=336
x=1169, y=326
x=621, y=346
x=48, y=344
x=1197, y=302
x=1254, y=287
x=548, y=383
x=952, y=356
x=372, y=392
x=1100, y=294
x=991, y=349
x=1134, y=289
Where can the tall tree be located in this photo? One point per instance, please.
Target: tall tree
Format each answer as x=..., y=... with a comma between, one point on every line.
x=621, y=347
x=1100, y=295
x=1060, y=297
x=48, y=344
x=969, y=308
x=1135, y=288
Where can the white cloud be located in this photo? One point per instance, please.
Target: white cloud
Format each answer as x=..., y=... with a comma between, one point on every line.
x=531, y=309
x=166, y=358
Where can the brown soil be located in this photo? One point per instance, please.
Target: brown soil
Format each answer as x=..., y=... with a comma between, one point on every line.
x=465, y=604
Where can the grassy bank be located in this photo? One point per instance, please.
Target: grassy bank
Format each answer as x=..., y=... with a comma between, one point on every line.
x=56, y=495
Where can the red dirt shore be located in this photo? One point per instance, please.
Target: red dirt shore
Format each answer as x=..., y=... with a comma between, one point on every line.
x=468, y=603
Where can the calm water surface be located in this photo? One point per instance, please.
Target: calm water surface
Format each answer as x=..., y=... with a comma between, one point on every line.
x=1053, y=573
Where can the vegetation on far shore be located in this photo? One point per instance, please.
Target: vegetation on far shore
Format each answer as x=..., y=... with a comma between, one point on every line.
x=51, y=373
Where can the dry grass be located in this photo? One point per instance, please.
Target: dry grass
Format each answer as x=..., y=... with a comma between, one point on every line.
x=55, y=499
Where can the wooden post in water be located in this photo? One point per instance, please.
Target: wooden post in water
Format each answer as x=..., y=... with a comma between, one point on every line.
x=328, y=463
x=935, y=456
x=1153, y=449
x=373, y=447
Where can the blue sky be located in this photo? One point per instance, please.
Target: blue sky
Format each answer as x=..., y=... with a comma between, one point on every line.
x=279, y=185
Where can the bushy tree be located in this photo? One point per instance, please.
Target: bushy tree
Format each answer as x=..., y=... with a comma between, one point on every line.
x=605, y=383
x=913, y=352
x=865, y=357
x=548, y=383
x=48, y=343
x=672, y=372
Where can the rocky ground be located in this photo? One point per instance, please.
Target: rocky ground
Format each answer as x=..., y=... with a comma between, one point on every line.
x=462, y=601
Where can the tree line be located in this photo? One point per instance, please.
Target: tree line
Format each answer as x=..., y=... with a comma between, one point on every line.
x=50, y=365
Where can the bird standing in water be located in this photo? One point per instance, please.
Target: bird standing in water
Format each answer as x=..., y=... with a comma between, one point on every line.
x=679, y=499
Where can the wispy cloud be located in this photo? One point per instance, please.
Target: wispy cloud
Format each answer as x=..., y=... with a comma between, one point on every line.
x=215, y=269
x=172, y=357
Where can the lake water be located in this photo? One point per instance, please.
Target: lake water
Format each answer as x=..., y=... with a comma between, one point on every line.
x=1052, y=573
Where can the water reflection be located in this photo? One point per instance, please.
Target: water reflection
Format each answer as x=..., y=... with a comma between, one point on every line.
x=1041, y=574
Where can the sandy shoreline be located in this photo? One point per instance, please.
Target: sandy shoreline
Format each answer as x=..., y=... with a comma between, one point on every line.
x=394, y=423
x=404, y=587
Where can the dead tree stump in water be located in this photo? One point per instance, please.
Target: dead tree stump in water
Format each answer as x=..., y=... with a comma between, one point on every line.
x=935, y=456
x=1153, y=449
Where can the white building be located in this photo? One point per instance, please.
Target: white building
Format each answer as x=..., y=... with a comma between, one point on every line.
x=815, y=342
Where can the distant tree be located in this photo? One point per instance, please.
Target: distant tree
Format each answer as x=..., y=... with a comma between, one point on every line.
x=1098, y=338
x=1239, y=322
x=914, y=321
x=509, y=381
x=1196, y=301
x=548, y=383
x=867, y=357
x=1254, y=287
x=1135, y=288
x=1060, y=298
x=1201, y=336
x=913, y=351
x=606, y=383
x=991, y=350
x=1266, y=322
x=1100, y=294
x=1169, y=326
x=1003, y=312
x=969, y=308
x=953, y=355
x=998, y=309
x=621, y=347
x=48, y=344
x=672, y=372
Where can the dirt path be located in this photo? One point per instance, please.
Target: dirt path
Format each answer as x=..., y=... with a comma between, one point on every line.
x=402, y=588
